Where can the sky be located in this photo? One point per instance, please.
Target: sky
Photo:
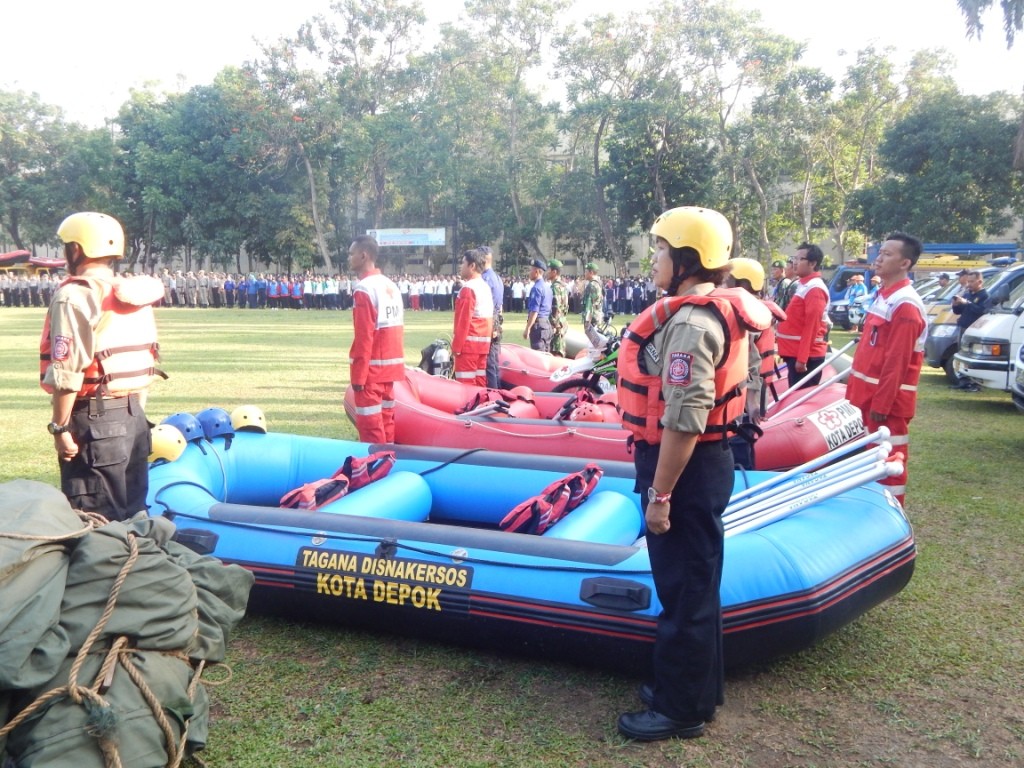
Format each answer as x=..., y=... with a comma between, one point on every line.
x=86, y=56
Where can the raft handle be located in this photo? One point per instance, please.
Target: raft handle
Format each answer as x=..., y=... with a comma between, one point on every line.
x=616, y=594
x=199, y=540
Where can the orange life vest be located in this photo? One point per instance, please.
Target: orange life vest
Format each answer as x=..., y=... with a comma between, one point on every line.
x=765, y=343
x=640, y=395
x=125, y=338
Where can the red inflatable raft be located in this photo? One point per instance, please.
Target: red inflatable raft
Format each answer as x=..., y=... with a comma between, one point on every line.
x=431, y=411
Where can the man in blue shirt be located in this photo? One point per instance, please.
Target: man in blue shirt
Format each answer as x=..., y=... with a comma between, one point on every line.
x=538, y=308
x=498, y=293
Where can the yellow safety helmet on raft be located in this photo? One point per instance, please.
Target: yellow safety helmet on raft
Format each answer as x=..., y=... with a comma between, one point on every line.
x=167, y=443
x=248, y=418
x=706, y=231
x=749, y=270
x=99, y=235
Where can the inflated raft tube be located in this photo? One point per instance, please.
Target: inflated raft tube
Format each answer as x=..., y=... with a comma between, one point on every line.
x=583, y=590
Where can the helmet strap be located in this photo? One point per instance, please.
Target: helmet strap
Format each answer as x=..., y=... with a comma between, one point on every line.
x=74, y=256
x=677, y=280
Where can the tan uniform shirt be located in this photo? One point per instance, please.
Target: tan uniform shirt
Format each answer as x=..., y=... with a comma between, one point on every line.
x=73, y=313
x=688, y=348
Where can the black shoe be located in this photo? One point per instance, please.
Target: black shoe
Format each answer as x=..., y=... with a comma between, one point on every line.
x=654, y=726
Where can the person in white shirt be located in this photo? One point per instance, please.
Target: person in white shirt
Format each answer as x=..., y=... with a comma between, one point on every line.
x=518, y=292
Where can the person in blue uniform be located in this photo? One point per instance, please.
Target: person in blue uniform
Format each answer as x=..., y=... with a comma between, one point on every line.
x=538, y=309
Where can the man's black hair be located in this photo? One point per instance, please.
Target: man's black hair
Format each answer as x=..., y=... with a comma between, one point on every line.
x=911, y=248
x=813, y=255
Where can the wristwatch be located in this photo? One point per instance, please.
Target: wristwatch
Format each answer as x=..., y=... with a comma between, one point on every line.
x=653, y=497
x=56, y=429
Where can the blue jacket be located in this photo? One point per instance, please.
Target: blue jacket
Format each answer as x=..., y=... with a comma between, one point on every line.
x=540, y=299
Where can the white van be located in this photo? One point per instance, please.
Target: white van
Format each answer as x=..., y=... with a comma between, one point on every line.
x=990, y=349
x=1017, y=382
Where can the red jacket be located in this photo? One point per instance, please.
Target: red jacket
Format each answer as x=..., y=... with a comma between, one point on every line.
x=474, y=318
x=887, y=364
x=377, y=353
x=802, y=334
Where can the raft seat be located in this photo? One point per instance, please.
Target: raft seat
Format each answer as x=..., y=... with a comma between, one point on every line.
x=399, y=496
x=607, y=517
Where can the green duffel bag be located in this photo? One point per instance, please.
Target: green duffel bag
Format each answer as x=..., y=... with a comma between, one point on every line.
x=38, y=528
x=66, y=734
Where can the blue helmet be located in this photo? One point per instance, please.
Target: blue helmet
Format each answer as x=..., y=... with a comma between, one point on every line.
x=187, y=424
x=215, y=421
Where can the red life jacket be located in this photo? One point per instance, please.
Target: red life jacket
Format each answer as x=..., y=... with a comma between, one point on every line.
x=540, y=512
x=125, y=337
x=351, y=476
x=640, y=395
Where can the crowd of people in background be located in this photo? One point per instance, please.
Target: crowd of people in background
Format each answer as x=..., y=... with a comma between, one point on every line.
x=27, y=290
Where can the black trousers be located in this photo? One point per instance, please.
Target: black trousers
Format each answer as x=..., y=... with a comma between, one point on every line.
x=494, y=363
x=110, y=474
x=686, y=563
x=794, y=377
x=540, y=335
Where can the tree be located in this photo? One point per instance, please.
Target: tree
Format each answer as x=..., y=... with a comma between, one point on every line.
x=1013, y=22
x=945, y=181
x=610, y=65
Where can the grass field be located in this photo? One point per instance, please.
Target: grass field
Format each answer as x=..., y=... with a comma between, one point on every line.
x=931, y=678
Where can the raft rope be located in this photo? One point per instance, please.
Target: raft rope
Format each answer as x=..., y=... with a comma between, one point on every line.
x=493, y=426
x=452, y=460
x=120, y=652
x=89, y=520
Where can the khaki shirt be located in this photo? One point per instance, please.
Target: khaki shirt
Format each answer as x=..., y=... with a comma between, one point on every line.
x=73, y=314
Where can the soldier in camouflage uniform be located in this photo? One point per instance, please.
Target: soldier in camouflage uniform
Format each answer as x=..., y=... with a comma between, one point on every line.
x=559, y=308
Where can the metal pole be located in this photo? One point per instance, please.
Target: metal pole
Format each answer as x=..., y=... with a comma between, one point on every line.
x=878, y=436
x=810, y=373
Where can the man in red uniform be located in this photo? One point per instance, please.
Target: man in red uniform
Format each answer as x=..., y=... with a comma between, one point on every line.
x=474, y=321
x=377, y=355
x=887, y=365
x=801, y=335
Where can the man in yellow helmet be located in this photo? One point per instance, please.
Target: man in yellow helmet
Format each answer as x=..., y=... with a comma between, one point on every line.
x=683, y=365
x=97, y=357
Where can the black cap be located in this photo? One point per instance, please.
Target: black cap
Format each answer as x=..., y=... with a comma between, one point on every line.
x=538, y=264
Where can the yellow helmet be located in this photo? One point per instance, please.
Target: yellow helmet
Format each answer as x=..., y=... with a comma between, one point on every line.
x=706, y=231
x=248, y=418
x=100, y=236
x=749, y=270
x=167, y=443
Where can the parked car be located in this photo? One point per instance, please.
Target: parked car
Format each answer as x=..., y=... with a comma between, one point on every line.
x=840, y=280
x=1017, y=380
x=989, y=348
x=943, y=339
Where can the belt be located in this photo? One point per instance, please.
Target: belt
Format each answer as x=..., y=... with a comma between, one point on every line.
x=108, y=403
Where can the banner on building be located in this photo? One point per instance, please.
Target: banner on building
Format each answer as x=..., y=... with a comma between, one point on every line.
x=414, y=238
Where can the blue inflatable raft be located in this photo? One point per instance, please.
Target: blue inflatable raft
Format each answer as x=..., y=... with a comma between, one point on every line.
x=419, y=552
